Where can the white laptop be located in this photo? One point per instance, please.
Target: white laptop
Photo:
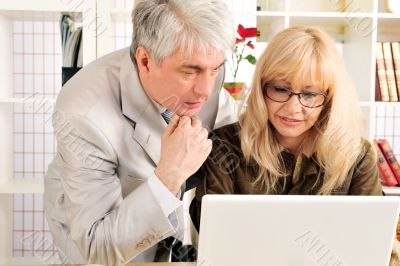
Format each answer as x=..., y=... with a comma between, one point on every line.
x=258, y=230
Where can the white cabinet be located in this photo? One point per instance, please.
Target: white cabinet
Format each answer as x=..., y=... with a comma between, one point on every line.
x=30, y=79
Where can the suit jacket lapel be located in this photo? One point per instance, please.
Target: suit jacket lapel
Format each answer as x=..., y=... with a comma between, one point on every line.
x=139, y=109
x=209, y=111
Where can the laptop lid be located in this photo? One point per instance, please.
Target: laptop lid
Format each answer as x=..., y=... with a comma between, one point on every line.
x=254, y=230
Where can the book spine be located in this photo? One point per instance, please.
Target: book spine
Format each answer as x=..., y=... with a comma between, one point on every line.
x=396, y=63
x=386, y=174
x=378, y=96
x=388, y=59
x=380, y=68
x=390, y=158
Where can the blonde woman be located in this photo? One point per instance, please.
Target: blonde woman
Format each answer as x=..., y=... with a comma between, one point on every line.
x=301, y=132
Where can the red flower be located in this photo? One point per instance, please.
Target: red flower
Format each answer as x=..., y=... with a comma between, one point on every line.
x=249, y=44
x=246, y=32
x=239, y=49
x=239, y=40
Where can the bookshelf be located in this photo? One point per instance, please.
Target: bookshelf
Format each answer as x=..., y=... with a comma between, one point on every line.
x=32, y=48
x=31, y=79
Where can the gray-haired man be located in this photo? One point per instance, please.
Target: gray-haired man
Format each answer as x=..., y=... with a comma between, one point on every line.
x=112, y=191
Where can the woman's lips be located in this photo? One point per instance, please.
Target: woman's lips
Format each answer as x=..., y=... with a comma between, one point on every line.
x=289, y=121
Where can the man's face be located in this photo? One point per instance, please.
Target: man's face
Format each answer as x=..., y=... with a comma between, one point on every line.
x=182, y=83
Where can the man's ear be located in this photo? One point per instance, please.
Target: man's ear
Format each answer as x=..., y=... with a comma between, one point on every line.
x=142, y=59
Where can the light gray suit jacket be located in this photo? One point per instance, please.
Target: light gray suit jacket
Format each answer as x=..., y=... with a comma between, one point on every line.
x=103, y=202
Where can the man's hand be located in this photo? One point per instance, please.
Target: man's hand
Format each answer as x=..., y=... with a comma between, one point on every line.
x=184, y=148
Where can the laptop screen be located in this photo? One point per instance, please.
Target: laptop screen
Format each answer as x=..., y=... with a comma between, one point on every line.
x=297, y=230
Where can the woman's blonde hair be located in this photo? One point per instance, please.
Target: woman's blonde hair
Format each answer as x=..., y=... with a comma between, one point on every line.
x=298, y=54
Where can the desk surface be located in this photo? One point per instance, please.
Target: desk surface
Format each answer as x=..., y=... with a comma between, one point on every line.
x=163, y=264
x=136, y=264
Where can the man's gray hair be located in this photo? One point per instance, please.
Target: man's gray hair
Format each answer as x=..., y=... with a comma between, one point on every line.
x=163, y=26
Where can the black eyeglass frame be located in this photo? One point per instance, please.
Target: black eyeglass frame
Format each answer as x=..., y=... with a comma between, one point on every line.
x=298, y=94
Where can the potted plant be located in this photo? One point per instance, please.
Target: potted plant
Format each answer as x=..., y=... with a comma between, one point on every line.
x=238, y=55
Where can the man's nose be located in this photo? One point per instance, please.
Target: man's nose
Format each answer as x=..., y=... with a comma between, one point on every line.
x=204, y=85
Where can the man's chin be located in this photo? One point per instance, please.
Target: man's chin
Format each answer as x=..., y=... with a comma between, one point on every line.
x=189, y=113
x=189, y=110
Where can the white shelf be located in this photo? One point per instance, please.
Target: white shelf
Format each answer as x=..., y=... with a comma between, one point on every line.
x=29, y=100
x=388, y=15
x=268, y=13
x=24, y=15
x=16, y=187
x=378, y=104
x=330, y=14
x=44, y=5
x=324, y=6
x=391, y=191
x=322, y=21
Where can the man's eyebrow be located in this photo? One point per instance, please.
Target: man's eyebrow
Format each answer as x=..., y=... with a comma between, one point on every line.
x=195, y=67
x=199, y=68
x=220, y=65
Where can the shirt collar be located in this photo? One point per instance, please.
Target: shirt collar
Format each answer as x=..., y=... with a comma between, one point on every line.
x=304, y=165
x=160, y=108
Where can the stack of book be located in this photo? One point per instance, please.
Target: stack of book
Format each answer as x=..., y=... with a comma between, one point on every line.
x=387, y=71
x=389, y=167
x=71, y=40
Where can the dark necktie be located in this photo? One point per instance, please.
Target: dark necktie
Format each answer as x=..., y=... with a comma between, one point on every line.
x=167, y=115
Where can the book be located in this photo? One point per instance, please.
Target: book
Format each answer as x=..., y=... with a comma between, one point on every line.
x=396, y=64
x=66, y=25
x=390, y=157
x=378, y=96
x=391, y=81
x=71, y=41
x=380, y=68
x=385, y=172
x=72, y=48
x=71, y=38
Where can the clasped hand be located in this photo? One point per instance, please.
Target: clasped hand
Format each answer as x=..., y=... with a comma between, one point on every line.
x=184, y=148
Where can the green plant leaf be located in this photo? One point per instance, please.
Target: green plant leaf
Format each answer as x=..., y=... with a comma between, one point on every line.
x=252, y=60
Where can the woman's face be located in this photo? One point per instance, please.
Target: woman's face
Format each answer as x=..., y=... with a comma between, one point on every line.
x=292, y=120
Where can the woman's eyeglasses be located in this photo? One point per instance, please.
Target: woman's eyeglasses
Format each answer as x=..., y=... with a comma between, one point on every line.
x=281, y=94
